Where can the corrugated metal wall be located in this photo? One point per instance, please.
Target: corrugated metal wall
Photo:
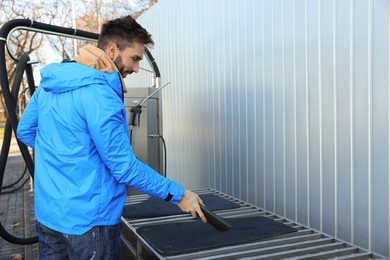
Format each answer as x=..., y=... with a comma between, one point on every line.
x=284, y=104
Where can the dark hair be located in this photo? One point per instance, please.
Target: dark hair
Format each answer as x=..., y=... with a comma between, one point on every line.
x=123, y=32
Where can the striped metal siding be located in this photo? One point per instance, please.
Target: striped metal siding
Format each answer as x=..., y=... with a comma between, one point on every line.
x=283, y=104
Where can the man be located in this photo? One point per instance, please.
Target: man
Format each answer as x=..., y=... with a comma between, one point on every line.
x=76, y=123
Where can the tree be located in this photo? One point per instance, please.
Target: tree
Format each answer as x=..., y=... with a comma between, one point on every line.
x=21, y=41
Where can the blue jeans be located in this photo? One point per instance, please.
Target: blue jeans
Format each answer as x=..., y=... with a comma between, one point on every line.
x=101, y=242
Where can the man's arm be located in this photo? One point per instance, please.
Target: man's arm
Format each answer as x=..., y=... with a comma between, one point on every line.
x=28, y=124
x=106, y=118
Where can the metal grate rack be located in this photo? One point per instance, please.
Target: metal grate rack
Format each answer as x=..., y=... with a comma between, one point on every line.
x=306, y=243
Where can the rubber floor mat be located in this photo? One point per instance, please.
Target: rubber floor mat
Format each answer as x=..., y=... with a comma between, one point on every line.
x=185, y=237
x=153, y=207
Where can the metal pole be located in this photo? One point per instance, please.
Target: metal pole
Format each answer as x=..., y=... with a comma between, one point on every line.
x=74, y=26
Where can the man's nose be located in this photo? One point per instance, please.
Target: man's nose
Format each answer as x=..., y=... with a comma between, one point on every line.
x=136, y=68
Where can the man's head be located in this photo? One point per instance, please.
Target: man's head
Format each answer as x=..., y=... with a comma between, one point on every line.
x=124, y=40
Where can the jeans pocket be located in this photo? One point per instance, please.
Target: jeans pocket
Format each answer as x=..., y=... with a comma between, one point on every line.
x=101, y=242
x=84, y=246
x=50, y=242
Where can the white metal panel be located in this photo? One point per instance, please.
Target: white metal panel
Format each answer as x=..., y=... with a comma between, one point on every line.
x=362, y=129
x=284, y=104
x=380, y=126
x=344, y=96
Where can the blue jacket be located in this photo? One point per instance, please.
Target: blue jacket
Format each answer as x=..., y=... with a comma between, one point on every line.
x=76, y=123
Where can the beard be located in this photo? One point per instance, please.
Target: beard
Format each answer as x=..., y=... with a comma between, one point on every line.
x=119, y=64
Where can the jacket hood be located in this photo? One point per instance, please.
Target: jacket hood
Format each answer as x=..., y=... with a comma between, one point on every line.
x=63, y=77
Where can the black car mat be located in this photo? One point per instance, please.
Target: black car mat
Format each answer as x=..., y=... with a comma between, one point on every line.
x=153, y=207
x=185, y=237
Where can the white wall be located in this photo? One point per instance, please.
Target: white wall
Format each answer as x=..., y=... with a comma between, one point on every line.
x=283, y=104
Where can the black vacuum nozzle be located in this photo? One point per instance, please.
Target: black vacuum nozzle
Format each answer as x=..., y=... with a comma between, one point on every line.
x=135, y=113
x=215, y=220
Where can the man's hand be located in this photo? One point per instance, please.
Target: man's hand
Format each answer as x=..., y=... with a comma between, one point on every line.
x=190, y=203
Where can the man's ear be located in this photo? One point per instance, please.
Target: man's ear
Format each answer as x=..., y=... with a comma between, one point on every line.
x=112, y=50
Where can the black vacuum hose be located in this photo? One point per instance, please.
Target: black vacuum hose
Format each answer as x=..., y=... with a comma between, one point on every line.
x=10, y=99
x=8, y=26
x=30, y=79
x=153, y=63
x=14, y=183
x=8, y=126
x=11, y=104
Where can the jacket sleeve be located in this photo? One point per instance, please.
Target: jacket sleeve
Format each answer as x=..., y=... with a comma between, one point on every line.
x=105, y=116
x=28, y=124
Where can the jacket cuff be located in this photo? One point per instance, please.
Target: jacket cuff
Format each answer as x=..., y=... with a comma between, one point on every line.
x=175, y=193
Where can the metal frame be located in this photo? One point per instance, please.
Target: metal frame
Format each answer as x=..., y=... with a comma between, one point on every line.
x=44, y=32
x=304, y=244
